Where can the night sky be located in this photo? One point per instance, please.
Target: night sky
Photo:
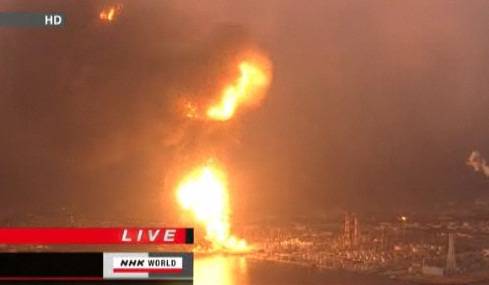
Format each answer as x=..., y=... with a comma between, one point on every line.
x=374, y=105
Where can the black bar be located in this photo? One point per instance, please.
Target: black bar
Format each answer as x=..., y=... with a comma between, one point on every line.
x=51, y=265
x=189, y=236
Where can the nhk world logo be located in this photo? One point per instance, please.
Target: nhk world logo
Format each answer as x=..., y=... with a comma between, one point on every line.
x=143, y=265
x=147, y=265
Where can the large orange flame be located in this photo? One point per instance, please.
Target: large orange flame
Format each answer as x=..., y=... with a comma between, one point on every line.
x=204, y=192
x=248, y=88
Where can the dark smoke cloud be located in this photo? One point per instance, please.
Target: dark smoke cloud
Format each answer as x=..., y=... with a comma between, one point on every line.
x=88, y=113
x=373, y=103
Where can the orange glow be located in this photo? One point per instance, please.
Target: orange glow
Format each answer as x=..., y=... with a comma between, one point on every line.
x=221, y=269
x=247, y=88
x=204, y=192
x=190, y=110
x=108, y=14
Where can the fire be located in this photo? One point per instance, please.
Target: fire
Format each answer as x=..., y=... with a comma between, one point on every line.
x=108, y=14
x=204, y=192
x=247, y=88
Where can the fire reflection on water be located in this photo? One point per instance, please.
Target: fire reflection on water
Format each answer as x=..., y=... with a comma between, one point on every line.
x=220, y=270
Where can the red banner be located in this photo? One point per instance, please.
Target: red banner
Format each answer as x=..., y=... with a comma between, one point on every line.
x=96, y=235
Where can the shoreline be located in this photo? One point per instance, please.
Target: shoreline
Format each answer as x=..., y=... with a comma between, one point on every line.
x=324, y=269
x=411, y=279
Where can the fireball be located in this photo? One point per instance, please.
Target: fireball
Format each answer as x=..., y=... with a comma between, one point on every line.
x=247, y=88
x=204, y=193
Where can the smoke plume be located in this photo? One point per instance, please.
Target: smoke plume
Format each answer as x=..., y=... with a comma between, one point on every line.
x=477, y=162
x=96, y=113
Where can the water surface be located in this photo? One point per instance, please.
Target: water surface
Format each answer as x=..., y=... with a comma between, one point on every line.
x=231, y=270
